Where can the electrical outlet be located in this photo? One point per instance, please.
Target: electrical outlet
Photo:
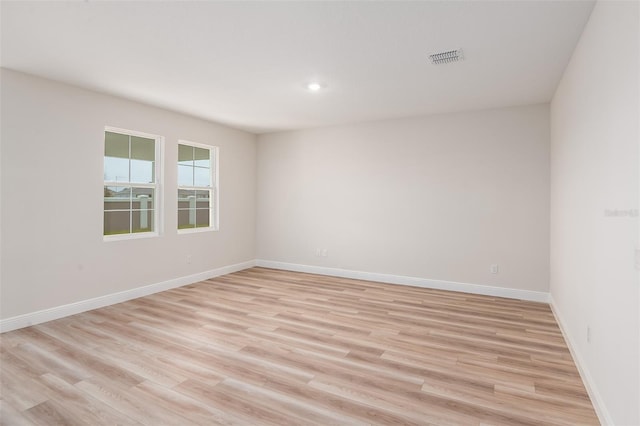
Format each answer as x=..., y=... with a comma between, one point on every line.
x=322, y=252
x=494, y=268
x=588, y=334
x=189, y=259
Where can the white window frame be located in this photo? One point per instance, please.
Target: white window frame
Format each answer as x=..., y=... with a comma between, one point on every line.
x=157, y=186
x=214, y=211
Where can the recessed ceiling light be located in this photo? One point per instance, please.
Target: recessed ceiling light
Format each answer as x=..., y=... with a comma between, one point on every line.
x=314, y=86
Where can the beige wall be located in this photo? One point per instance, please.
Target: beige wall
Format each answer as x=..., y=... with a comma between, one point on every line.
x=53, y=253
x=440, y=197
x=594, y=169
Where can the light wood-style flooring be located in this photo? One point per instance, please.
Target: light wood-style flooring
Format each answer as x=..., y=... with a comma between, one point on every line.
x=267, y=347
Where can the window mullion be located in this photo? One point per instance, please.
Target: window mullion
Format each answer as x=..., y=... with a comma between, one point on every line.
x=130, y=203
x=131, y=184
x=194, y=188
x=129, y=158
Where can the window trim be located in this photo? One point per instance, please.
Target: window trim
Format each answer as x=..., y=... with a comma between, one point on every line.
x=214, y=222
x=157, y=186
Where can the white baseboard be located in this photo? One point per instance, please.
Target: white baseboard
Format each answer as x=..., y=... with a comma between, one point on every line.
x=50, y=314
x=511, y=293
x=596, y=399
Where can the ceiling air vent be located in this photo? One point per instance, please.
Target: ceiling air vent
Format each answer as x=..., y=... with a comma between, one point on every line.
x=446, y=57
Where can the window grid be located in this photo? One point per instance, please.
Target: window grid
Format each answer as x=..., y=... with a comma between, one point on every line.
x=134, y=198
x=197, y=196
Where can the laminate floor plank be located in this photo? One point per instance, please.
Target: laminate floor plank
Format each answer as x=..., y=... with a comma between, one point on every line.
x=268, y=347
x=9, y=415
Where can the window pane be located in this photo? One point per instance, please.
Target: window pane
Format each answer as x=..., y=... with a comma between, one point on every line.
x=116, y=157
x=116, y=222
x=201, y=157
x=185, y=155
x=183, y=219
x=202, y=218
x=185, y=175
x=202, y=177
x=142, y=159
x=143, y=148
x=116, y=198
x=142, y=220
x=141, y=171
x=142, y=198
x=116, y=169
x=116, y=145
x=202, y=199
x=185, y=197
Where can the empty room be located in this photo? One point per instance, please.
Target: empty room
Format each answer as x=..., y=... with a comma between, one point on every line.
x=320, y=213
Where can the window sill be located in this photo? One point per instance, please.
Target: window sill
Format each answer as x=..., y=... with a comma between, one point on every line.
x=196, y=230
x=136, y=236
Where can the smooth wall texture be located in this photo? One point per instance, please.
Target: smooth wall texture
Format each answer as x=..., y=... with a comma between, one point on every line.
x=53, y=252
x=440, y=197
x=594, y=197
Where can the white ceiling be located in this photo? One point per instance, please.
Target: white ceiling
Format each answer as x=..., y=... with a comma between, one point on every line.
x=246, y=64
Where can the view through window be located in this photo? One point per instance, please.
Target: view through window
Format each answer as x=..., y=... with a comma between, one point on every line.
x=197, y=186
x=130, y=183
